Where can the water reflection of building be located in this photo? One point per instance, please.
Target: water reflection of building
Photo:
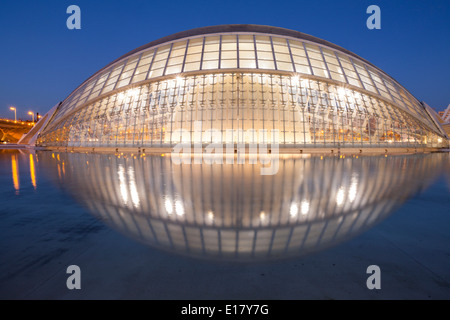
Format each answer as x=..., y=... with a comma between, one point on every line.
x=21, y=159
x=232, y=212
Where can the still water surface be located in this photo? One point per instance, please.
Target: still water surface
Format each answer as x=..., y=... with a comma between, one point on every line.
x=217, y=211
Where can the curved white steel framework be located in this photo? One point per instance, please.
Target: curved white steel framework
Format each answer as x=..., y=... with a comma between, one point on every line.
x=314, y=94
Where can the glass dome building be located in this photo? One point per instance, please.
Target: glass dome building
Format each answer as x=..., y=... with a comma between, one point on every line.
x=227, y=84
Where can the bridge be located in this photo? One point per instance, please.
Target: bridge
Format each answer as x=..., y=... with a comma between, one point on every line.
x=11, y=131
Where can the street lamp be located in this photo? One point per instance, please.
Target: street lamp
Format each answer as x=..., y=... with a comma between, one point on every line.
x=15, y=114
x=31, y=114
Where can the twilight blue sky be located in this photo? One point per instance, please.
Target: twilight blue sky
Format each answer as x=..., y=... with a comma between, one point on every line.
x=41, y=61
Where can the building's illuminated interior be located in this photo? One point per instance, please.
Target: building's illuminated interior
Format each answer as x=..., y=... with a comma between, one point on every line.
x=232, y=211
x=241, y=77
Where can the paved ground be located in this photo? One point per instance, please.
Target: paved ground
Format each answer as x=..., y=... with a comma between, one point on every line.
x=38, y=242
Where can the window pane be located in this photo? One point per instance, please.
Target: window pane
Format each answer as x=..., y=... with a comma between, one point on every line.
x=300, y=60
x=173, y=69
x=116, y=71
x=297, y=47
x=212, y=40
x=345, y=61
x=283, y=57
x=212, y=64
x=142, y=69
x=193, y=57
x=211, y=47
x=211, y=56
x=229, y=43
x=123, y=83
x=179, y=46
x=229, y=54
x=337, y=76
x=251, y=64
x=246, y=54
x=112, y=80
x=162, y=53
x=146, y=58
x=313, y=51
x=280, y=45
x=263, y=44
x=263, y=47
x=262, y=39
x=285, y=66
x=130, y=65
x=193, y=66
x=266, y=64
x=317, y=64
x=108, y=88
x=212, y=44
x=195, y=45
x=265, y=55
x=246, y=46
x=301, y=68
x=175, y=60
x=320, y=72
x=159, y=64
x=156, y=73
x=126, y=74
x=245, y=39
x=139, y=77
x=331, y=60
x=177, y=53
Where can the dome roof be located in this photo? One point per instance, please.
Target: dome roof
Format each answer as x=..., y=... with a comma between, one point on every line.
x=239, y=28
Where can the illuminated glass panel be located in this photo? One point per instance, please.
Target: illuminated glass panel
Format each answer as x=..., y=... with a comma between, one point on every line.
x=305, y=112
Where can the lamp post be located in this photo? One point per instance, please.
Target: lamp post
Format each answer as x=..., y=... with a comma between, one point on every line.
x=15, y=113
x=31, y=114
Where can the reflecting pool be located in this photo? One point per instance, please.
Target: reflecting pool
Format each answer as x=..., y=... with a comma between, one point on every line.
x=143, y=226
x=230, y=211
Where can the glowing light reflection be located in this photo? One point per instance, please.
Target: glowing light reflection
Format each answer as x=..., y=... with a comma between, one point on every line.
x=133, y=188
x=122, y=184
x=293, y=210
x=340, y=196
x=305, y=207
x=168, y=205
x=15, y=173
x=32, y=172
x=179, y=209
x=353, y=189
